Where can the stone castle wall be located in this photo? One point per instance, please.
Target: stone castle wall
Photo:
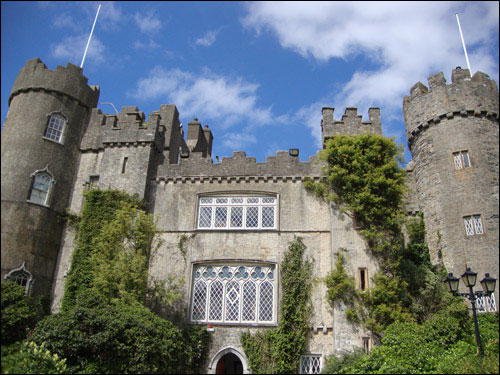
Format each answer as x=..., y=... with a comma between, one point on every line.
x=441, y=120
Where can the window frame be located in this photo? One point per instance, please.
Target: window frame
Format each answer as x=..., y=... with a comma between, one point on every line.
x=22, y=270
x=217, y=267
x=459, y=160
x=48, y=195
x=217, y=208
x=473, y=225
x=62, y=131
x=310, y=356
x=363, y=276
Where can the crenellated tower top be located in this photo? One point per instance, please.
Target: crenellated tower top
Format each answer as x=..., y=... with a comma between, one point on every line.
x=351, y=123
x=465, y=96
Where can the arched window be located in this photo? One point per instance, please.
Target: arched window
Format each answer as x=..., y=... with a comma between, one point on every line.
x=41, y=186
x=234, y=293
x=21, y=276
x=55, y=127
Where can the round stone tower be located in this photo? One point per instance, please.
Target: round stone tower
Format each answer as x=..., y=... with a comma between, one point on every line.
x=452, y=133
x=47, y=117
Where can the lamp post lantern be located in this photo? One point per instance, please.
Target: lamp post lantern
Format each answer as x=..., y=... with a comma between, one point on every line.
x=469, y=278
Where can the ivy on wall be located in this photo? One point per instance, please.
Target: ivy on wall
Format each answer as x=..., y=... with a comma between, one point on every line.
x=277, y=350
x=363, y=177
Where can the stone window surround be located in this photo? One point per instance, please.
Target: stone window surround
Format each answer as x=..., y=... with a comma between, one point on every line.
x=362, y=282
x=66, y=123
x=470, y=222
x=236, y=262
x=459, y=161
x=234, y=194
x=29, y=277
x=48, y=197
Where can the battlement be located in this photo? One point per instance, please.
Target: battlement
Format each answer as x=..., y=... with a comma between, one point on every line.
x=125, y=129
x=240, y=167
x=69, y=81
x=465, y=96
x=351, y=123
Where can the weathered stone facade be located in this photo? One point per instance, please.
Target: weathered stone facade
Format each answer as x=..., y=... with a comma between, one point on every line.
x=153, y=160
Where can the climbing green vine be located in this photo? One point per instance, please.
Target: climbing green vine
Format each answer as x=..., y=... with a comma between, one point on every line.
x=277, y=350
x=363, y=178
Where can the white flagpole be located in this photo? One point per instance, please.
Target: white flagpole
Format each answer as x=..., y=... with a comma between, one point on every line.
x=463, y=44
x=90, y=36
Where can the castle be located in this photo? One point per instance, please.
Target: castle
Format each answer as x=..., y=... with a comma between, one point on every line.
x=237, y=217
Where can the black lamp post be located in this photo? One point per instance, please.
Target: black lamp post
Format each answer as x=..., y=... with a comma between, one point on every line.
x=469, y=279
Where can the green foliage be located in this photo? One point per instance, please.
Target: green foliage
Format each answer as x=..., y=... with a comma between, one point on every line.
x=335, y=364
x=341, y=287
x=19, y=313
x=99, y=208
x=34, y=359
x=277, y=350
x=444, y=344
x=119, y=338
x=363, y=177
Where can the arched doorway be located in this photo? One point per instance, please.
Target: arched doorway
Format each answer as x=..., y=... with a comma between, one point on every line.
x=229, y=364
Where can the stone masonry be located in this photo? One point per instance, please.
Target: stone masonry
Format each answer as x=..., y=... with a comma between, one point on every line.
x=174, y=173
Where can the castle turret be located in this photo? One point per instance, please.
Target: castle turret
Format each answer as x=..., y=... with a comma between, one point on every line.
x=350, y=124
x=48, y=114
x=452, y=132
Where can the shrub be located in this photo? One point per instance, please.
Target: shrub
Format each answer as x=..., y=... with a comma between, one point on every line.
x=34, y=359
x=19, y=313
x=119, y=338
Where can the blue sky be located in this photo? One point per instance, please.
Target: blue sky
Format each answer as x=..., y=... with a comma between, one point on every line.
x=257, y=73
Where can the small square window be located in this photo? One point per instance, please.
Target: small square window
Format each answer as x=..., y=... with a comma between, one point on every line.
x=473, y=225
x=461, y=159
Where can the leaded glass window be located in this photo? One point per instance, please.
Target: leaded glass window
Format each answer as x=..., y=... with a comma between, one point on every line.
x=461, y=159
x=243, y=213
x=234, y=293
x=55, y=127
x=473, y=225
x=310, y=364
x=486, y=303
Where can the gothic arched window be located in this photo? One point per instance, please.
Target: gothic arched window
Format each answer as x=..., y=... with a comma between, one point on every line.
x=41, y=186
x=234, y=293
x=55, y=127
x=21, y=276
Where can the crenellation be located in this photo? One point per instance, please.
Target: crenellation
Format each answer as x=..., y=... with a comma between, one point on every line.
x=351, y=123
x=436, y=80
x=460, y=75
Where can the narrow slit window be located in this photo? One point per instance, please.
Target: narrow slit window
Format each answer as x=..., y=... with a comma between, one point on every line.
x=362, y=279
x=124, y=166
x=366, y=344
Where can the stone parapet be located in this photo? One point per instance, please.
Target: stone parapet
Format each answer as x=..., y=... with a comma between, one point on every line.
x=350, y=124
x=240, y=166
x=69, y=81
x=465, y=96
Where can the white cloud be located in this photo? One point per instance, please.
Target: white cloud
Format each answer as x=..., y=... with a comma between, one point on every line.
x=73, y=47
x=149, y=23
x=405, y=41
x=207, y=96
x=237, y=141
x=222, y=102
x=64, y=20
x=149, y=45
x=208, y=39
